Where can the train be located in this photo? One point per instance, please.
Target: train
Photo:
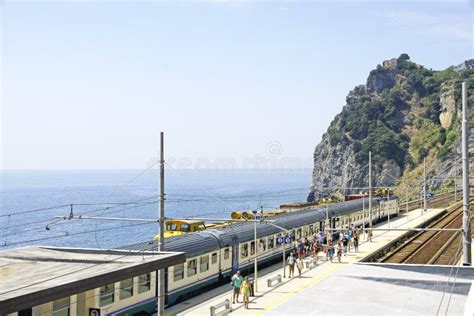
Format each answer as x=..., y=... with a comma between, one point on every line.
x=213, y=255
x=381, y=192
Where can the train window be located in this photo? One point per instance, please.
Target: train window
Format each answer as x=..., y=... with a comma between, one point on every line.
x=305, y=231
x=144, y=281
x=311, y=230
x=192, y=267
x=62, y=307
x=292, y=235
x=226, y=253
x=298, y=233
x=270, y=242
x=185, y=228
x=214, y=258
x=204, y=263
x=252, y=248
x=178, y=272
x=171, y=227
x=107, y=294
x=126, y=288
x=244, y=250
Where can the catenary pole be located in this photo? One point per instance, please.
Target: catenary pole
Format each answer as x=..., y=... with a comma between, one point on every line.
x=466, y=219
x=455, y=180
x=161, y=243
x=406, y=199
x=370, y=189
x=256, y=253
x=424, y=184
x=363, y=214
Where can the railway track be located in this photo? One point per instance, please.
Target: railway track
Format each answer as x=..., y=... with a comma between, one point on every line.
x=432, y=247
x=440, y=200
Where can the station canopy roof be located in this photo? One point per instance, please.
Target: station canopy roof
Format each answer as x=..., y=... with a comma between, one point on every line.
x=35, y=275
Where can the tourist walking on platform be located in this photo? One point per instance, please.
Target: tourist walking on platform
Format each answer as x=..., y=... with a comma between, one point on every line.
x=236, y=283
x=345, y=243
x=369, y=235
x=300, y=248
x=299, y=266
x=329, y=237
x=245, y=288
x=331, y=250
x=326, y=250
x=349, y=242
x=356, y=240
x=339, y=252
x=306, y=246
x=321, y=237
x=316, y=249
x=291, y=265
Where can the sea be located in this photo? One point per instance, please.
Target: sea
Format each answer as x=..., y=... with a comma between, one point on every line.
x=35, y=206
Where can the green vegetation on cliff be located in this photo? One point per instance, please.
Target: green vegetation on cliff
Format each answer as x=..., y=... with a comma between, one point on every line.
x=396, y=115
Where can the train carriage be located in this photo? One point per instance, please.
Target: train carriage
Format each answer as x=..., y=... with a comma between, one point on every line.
x=213, y=255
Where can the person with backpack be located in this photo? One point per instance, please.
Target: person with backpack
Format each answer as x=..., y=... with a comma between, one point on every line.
x=236, y=282
x=345, y=243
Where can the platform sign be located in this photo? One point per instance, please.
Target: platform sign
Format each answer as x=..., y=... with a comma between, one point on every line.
x=94, y=312
x=288, y=240
x=280, y=240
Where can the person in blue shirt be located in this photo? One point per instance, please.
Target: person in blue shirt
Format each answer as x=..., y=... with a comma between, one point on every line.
x=236, y=282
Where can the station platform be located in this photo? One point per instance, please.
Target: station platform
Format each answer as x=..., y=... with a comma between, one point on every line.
x=296, y=295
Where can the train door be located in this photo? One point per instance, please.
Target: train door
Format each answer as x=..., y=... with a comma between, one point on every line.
x=235, y=258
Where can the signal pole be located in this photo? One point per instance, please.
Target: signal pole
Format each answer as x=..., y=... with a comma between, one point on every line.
x=466, y=218
x=161, y=243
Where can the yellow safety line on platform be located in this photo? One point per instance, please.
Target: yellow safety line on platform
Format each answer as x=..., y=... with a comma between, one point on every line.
x=316, y=279
x=304, y=286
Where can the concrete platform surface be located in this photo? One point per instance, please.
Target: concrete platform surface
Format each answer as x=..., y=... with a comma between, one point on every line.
x=301, y=295
x=383, y=289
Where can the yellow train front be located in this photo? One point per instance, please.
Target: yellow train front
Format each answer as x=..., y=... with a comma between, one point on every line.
x=176, y=227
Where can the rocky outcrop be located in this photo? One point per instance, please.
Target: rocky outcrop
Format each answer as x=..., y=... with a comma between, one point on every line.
x=399, y=100
x=380, y=79
x=448, y=105
x=336, y=170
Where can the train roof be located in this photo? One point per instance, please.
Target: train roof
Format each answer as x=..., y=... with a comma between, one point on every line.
x=197, y=243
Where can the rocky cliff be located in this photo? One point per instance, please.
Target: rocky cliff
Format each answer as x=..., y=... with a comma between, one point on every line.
x=403, y=114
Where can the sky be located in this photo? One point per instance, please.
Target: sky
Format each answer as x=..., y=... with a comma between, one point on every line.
x=90, y=84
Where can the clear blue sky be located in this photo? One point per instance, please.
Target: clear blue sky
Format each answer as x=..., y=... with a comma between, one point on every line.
x=90, y=84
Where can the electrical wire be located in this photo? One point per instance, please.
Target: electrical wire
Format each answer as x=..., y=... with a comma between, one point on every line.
x=75, y=234
x=449, y=278
x=35, y=210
